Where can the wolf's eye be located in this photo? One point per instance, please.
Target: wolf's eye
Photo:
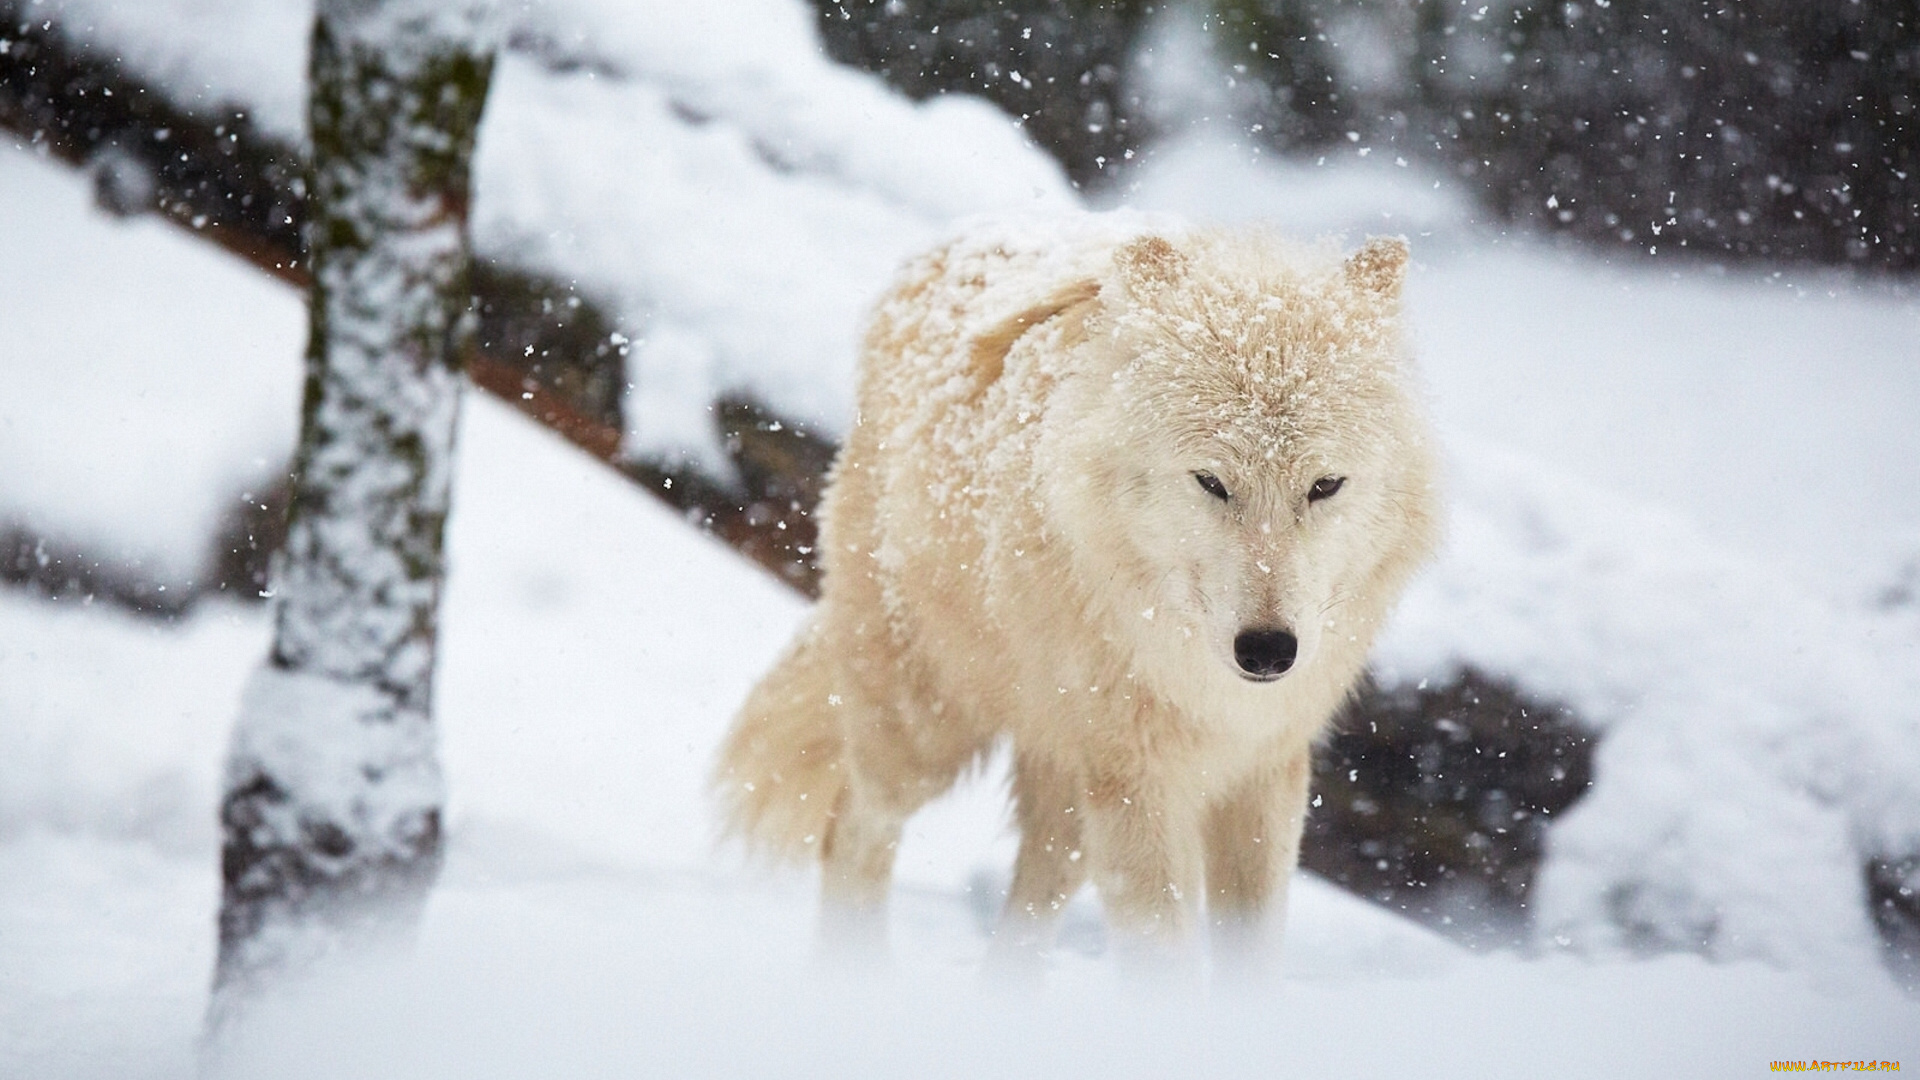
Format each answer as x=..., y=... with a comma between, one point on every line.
x=1212, y=485
x=1325, y=488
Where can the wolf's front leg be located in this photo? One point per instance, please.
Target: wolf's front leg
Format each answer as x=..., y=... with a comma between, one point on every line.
x=1253, y=842
x=1051, y=867
x=1144, y=846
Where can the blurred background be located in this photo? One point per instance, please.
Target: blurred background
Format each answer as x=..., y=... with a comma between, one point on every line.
x=1776, y=132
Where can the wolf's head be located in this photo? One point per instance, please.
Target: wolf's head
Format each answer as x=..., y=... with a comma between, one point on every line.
x=1239, y=452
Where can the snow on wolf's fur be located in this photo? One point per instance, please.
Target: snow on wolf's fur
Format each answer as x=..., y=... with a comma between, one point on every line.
x=1136, y=501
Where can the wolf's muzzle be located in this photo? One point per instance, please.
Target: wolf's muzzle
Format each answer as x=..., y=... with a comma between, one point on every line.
x=1264, y=655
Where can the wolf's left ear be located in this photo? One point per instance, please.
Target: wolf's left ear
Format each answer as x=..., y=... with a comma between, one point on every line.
x=1149, y=262
x=1380, y=267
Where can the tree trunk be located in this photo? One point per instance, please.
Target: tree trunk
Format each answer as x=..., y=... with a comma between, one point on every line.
x=331, y=812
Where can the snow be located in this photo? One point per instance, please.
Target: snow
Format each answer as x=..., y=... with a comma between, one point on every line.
x=1683, y=502
x=584, y=925
x=1206, y=175
x=212, y=56
x=107, y=730
x=1813, y=382
x=618, y=1003
x=93, y=448
x=581, y=688
x=730, y=197
x=736, y=209
x=1761, y=742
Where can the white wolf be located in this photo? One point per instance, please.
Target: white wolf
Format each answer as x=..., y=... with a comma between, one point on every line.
x=1136, y=503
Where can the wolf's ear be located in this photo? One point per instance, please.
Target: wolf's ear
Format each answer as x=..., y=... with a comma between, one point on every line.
x=1379, y=267
x=1149, y=261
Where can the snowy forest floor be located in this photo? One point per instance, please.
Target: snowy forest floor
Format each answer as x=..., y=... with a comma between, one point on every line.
x=584, y=926
x=595, y=647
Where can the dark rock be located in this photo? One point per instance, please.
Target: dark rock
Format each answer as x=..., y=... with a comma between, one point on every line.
x=255, y=526
x=1435, y=800
x=65, y=571
x=1893, y=894
x=558, y=339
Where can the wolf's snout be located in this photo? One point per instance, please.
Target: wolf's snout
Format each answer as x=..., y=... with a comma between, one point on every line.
x=1265, y=654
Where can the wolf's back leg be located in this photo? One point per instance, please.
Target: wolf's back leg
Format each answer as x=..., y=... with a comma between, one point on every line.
x=895, y=765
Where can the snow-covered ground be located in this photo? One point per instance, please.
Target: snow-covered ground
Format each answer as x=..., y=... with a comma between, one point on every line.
x=1684, y=502
x=585, y=927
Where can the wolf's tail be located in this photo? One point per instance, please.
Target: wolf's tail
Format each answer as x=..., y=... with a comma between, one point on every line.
x=780, y=774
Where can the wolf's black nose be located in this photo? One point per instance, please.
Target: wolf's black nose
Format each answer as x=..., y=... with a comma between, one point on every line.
x=1265, y=654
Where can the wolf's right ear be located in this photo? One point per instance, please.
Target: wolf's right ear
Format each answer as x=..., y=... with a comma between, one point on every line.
x=1379, y=267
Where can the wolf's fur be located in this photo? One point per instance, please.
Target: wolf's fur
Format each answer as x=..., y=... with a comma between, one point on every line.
x=1016, y=546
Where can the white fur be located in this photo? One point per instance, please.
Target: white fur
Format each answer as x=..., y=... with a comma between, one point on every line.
x=1016, y=546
